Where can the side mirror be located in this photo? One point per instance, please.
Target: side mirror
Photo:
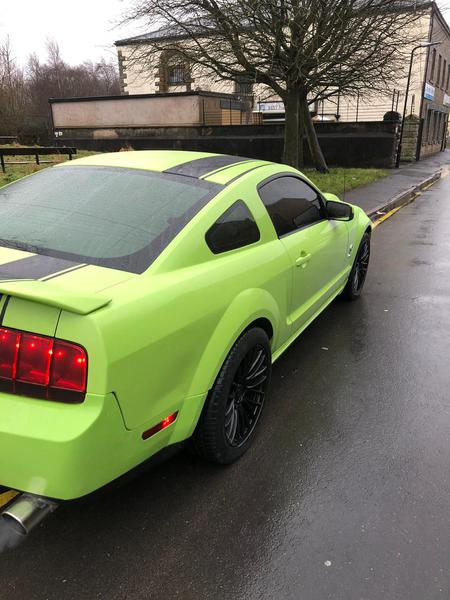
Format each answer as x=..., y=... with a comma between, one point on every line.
x=339, y=211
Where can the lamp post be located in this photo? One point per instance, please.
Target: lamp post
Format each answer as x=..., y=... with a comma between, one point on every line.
x=419, y=47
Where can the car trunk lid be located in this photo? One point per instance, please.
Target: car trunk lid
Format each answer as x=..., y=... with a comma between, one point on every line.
x=34, y=288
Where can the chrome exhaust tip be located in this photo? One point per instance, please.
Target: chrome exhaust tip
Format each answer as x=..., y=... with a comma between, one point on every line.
x=26, y=512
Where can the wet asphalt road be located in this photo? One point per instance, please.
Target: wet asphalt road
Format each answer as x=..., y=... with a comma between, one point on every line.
x=345, y=494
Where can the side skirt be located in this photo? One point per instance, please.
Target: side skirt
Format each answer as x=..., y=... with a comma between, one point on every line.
x=276, y=355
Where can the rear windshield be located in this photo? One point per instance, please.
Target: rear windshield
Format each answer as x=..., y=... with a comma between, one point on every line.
x=113, y=217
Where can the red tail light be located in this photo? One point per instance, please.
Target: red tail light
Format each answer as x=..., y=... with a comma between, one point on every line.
x=34, y=359
x=40, y=366
x=69, y=367
x=9, y=348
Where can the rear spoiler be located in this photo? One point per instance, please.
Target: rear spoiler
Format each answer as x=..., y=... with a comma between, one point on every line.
x=51, y=295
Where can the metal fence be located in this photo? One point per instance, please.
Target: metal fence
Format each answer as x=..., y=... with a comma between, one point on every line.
x=240, y=111
x=362, y=108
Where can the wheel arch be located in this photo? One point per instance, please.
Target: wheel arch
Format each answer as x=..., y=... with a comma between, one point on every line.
x=254, y=307
x=359, y=226
x=265, y=324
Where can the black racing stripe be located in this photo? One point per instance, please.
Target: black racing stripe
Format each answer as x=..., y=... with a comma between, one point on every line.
x=202, y=166
x=4, y=307
x=216, y=171
x=34, y=267
x=245, y=173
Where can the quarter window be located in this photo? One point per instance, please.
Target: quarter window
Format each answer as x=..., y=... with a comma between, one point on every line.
x=291, y=204
x=236, y=228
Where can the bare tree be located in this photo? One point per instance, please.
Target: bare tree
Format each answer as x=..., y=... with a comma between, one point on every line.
x=12, y=90
x=24, y=93
x=303, y=50
x=56, y=79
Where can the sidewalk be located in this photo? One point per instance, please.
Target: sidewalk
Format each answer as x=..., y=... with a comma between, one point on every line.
x=396, y=189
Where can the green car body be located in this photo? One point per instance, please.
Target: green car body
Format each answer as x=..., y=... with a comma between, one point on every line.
x=156, y=340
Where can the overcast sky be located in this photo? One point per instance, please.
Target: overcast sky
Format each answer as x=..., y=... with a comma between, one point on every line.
x=84, y=29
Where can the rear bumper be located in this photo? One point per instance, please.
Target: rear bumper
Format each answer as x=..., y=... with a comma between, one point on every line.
x=58, y=450
x=65, y=451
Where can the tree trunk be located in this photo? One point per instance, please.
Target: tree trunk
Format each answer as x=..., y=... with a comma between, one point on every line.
x=313, y=143
x=293, y=134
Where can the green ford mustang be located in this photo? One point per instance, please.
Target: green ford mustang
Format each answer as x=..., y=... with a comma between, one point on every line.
x=144, y=298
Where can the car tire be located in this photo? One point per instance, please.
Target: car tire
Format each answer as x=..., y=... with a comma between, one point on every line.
x=357, y=277
x=228, y=423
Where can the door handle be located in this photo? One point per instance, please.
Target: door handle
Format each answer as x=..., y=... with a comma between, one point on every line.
x=304, y=258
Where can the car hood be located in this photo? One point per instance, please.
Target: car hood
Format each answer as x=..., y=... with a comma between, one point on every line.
x=57, y=282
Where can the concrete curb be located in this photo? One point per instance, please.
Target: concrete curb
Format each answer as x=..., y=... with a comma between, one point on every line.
x=404, y=197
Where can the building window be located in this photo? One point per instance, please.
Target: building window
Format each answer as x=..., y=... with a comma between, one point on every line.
x=438, y=75
x=173, y=71
x=436, y=127
x=441, y=128
x=243, y=86
x=176, y=74
x=448, y=78
x=427, y=129
x=433, y=64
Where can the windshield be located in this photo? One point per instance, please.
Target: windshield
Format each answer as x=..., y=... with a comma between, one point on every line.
x=113, y=217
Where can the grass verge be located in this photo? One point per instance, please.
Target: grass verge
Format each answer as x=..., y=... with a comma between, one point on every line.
x=339, y=180
x=17, y=171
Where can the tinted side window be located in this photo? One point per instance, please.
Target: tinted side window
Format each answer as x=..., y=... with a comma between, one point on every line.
x=291, y=204
x=234, y=229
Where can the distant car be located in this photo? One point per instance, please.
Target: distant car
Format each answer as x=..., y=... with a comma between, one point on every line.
x=145, y=296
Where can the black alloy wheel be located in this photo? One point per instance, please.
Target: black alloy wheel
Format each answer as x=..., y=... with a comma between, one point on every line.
x=228, y=423
x=246, y=398
x=358, y=274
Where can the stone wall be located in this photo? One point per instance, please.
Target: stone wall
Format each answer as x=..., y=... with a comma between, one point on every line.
x=410, y=137
x=368, y=144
